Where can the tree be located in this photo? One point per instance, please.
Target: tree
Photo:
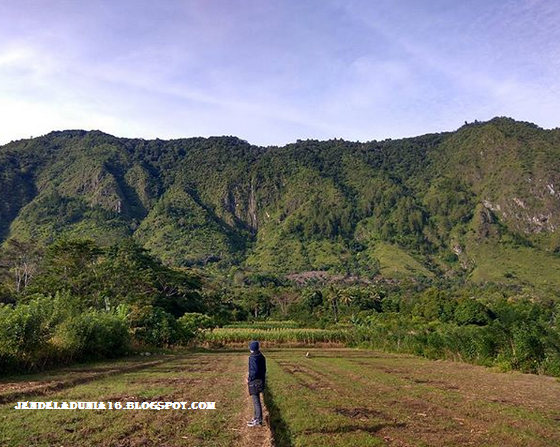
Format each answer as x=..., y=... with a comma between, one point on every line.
x=470, y=311
x=283, y=299
x=257, y=300
x=132, y=275
x=70, y=264
x=19, y=263
x=434, y=304
x=346, y=297
x=334, y=296
x=124, y=273
x=312, y=298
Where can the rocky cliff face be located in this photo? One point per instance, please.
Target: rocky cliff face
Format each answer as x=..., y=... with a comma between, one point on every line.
x=514, y=170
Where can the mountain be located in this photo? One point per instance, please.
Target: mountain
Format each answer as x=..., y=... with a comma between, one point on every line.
x=481, y=203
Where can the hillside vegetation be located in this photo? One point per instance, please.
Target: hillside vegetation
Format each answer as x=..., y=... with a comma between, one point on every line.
x=443, y=245
x=480, y=203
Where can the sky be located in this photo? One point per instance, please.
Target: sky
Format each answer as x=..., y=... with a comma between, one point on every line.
x=274, y=71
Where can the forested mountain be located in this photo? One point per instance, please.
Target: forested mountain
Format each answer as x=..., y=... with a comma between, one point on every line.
x=482, y=202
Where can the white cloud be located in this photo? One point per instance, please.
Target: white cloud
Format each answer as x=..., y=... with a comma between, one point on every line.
x=363, y=70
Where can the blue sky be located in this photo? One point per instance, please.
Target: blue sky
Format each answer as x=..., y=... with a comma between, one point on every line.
x=272, y=72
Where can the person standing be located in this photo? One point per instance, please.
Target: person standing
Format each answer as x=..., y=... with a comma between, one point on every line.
x=256, y=381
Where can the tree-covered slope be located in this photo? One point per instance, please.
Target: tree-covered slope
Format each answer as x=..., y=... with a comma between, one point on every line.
x=482, y=202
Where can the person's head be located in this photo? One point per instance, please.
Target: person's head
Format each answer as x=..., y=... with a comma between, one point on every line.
x=254, y=346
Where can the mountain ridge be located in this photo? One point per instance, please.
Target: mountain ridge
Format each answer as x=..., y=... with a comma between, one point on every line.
x=312, y=205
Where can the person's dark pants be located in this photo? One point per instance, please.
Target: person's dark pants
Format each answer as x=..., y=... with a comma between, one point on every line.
x=258, y=407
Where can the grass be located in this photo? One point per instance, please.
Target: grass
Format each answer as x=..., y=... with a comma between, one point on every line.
x=515, y=265
x=350, y=397
x=336, y=397
x=12, y=386
x=395, y=262
x=192, y=377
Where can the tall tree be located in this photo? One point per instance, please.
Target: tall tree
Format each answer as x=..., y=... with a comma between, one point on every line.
x=19, y=263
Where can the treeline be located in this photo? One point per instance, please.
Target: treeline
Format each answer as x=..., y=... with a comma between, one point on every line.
x=76, y=300
x=510, y=332
x=487, y=325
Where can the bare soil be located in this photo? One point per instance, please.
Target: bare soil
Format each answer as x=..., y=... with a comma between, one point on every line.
x=255, y=436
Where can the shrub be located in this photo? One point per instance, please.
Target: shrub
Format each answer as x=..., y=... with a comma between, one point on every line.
x=470, y=311
x=155, y=327
x=92, y=335
x=25, y=331
x=528, y=348
x=192, y=324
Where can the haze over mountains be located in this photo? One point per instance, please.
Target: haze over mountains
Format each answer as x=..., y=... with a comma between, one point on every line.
x=482, y=202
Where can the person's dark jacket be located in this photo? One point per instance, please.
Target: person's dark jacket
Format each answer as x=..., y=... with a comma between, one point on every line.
x=257, y=366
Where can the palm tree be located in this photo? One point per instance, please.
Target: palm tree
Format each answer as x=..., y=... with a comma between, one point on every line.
x=346, y=297
x=334, y=296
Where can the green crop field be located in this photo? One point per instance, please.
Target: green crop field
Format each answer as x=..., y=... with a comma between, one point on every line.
x=333, y=397
x=307, y=336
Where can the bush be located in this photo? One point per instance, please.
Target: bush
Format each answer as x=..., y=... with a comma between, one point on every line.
x=470, y=311
x=50, y=330
x=519, y=341
x=192, y=324
x=153, y=326
x=6, y=295
x=528, y=348
x=92, y=335
x=25, y=331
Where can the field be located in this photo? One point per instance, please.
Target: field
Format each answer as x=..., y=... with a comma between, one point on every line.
x=499, y=263
x=217, y=377
x=353, y=397
x=275, y=336
x=335, y=397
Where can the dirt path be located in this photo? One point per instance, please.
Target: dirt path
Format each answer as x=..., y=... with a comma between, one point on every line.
x=255, y=436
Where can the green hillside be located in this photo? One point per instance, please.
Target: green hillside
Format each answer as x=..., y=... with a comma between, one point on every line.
x=481, y=203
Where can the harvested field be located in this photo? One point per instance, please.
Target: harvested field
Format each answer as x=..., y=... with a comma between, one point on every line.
x=342, y=397
x=206, y=377
x=334, y=397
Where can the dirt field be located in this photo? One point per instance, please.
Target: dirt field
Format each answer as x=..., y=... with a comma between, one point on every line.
x=208, y=377
x=351, y=397
x=337, y=397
